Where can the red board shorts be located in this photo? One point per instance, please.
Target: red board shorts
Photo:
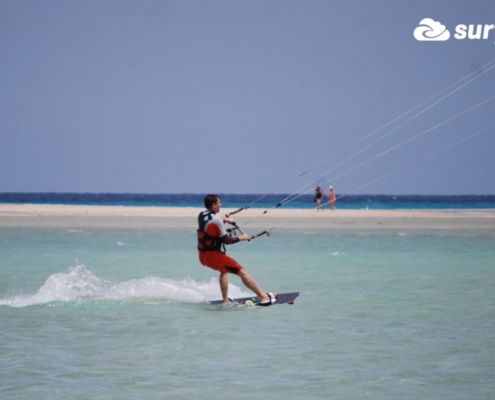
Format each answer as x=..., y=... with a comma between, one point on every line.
x=220, y=262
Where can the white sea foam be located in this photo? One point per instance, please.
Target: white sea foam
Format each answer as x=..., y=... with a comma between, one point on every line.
x=80, y=283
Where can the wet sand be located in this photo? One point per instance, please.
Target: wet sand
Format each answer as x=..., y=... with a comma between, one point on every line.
x=20, y=215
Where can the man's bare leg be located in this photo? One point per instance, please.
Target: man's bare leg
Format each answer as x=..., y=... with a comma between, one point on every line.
x=250, y=283
x=224, y=286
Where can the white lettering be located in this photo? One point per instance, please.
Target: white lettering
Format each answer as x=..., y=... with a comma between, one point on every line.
x=487, y=29
x=472, y=31
x=460, y=31
x=477, y=35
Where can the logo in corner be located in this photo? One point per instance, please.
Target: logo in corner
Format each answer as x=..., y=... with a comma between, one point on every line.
x=429, y=30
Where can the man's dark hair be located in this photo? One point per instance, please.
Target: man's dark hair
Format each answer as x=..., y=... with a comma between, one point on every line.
x=211, y=199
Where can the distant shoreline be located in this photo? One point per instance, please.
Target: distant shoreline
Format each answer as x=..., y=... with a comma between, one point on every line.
x=306, y=201
x=39, y=215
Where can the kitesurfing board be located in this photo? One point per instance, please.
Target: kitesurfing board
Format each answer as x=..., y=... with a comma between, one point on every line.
x=282, y=298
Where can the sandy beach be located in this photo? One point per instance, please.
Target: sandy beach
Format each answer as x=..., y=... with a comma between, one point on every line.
x=21, y=215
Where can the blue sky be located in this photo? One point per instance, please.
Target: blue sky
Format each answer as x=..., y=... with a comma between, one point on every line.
x=241, y=96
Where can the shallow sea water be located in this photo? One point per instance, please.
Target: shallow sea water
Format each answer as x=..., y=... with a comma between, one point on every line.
x=120, y=313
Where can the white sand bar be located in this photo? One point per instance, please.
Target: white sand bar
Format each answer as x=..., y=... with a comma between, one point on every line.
x=18, y=215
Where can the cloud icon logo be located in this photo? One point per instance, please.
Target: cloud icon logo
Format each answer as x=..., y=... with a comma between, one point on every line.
x=429, y=30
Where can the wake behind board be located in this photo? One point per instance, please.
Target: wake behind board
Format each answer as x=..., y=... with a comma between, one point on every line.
x=282, y=298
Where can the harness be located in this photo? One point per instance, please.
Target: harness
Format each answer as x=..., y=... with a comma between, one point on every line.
x=206, y=242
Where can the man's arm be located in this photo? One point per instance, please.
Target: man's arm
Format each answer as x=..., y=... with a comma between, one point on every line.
x=226, y=239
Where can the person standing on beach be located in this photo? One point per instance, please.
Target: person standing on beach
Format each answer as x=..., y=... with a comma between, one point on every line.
x=332, y=199
x=211, y=237
x=318, y=197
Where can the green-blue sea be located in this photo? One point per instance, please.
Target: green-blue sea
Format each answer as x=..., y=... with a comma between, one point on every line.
x=105, y=313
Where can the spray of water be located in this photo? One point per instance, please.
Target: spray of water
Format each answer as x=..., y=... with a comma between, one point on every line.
x=80, y=285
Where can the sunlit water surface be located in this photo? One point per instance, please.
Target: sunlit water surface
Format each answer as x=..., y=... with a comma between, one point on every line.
x=121, y=313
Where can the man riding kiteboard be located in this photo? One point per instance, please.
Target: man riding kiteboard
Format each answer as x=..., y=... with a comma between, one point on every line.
x=212, y=235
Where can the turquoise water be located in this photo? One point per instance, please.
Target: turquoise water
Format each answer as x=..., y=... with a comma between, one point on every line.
x=120, y=313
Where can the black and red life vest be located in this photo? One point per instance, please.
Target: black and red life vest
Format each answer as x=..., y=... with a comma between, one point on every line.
x=206, y=242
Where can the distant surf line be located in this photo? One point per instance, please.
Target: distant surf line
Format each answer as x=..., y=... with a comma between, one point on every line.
x=231, y=200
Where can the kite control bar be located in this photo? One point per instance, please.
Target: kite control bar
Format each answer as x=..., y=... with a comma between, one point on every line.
x=232, y=231
x=236, y=211
x=267, y=233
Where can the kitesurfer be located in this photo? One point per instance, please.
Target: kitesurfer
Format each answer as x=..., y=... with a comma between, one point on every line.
x=212, y=236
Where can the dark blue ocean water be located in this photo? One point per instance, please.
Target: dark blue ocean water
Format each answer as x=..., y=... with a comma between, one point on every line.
x=241, y=200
